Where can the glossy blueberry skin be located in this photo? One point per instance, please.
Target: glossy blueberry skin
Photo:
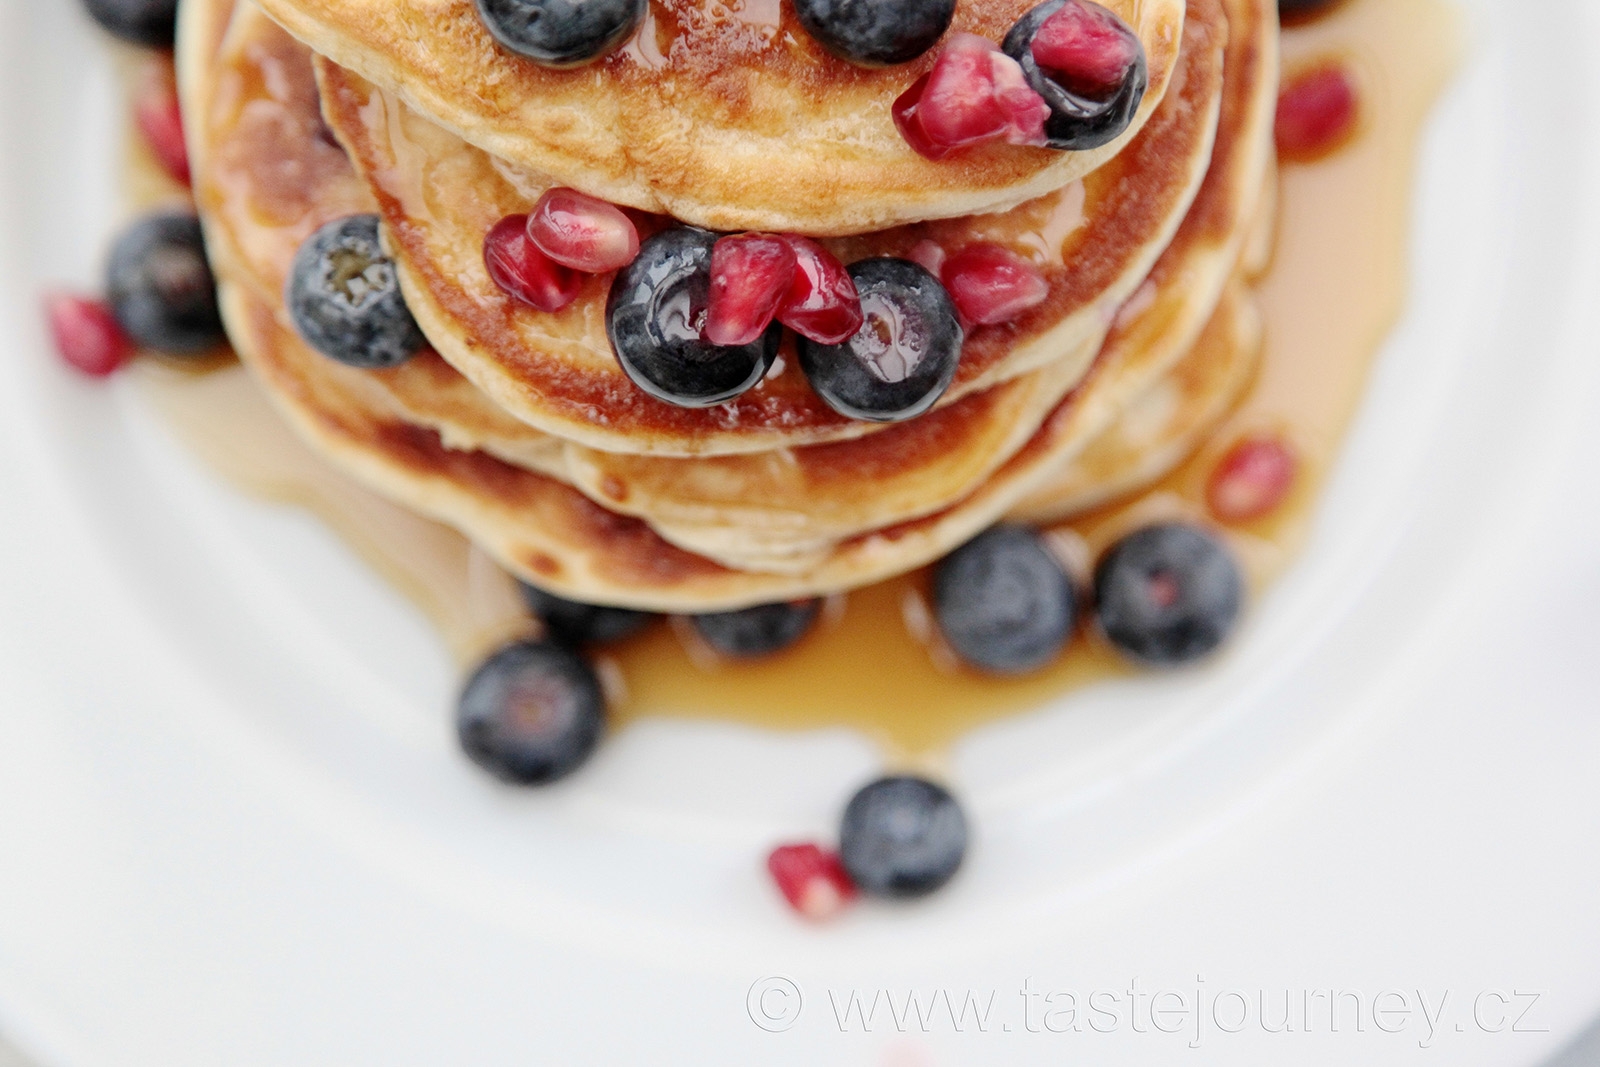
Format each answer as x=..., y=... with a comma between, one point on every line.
x=561, y=33
x=344, y=297
x=1168, y=594
x=1003, y=602
x=902, y=837
x=531, y=713
x=161, y=289
x=855, y=379
x=574, y=623
x=654, y=315
x=750, y=633
x=875, y=33
x=148, y=23
x=1076, y=123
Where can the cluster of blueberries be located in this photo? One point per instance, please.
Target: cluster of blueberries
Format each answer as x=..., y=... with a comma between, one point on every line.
x=531, y=713
x=868, y=33
x=564, y=33
x=1164, y=595
x=534, y=710
x=344, y=298
x=874, y=33
x=894, y=368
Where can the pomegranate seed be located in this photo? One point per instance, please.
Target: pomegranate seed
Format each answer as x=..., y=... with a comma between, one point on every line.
x=582, y=232
x=750, y=273
x=812, y=880
x=991, y=284
x=517, y=266
x=157, y=115
x=1251, y=480
x=822, y=302
x=1025, y=111
x=909, y=123
x=86, y=334
x=974, y=93
x=1316, y=113
x=929, y=255
x=1086, y=49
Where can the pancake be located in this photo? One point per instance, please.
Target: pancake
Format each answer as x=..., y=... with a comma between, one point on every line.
x=271, y=179
x=1165, y=425
x=785, y=510
x=1095, y=242
x=273, y=176
x=1228, y=224
x=547, y=532
x=771, y=511
x=725, y=115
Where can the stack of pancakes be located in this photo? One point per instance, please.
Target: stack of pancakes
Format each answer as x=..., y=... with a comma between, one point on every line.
x=519, y=427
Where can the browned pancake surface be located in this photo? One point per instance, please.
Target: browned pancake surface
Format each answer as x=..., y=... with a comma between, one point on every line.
x=1094, y=243
x=724, y=114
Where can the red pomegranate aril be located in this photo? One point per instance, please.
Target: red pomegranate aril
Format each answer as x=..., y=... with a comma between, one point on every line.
x=1251, y=481
x=974, y=93
x=822, y=303
x=991, y=284
x=86, y=334
x=1085, y=48
x=1316, y=113
x=750, y=275
x=516, y=265
x=1024, y=109
x=583, y=233
x=957, y=106
x=909, y=123
x=812, y=880
x=160, y=122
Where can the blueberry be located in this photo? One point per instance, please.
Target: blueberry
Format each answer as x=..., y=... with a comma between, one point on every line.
x=160, y=286
x=151, y=23
x=1081, y=117
x=758, y=631
x=531, y=713
x=1003, y=602
x=1167, y=594
x=903, y=357
x=876, y=32
x=561, y=33
x=575, y=623
x=344, y=297
x=902, y=837
x=655, y=315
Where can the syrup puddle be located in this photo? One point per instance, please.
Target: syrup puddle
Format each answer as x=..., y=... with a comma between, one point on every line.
x=1334, y=289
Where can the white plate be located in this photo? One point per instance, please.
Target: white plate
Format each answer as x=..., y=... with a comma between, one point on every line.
x=234, y=828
